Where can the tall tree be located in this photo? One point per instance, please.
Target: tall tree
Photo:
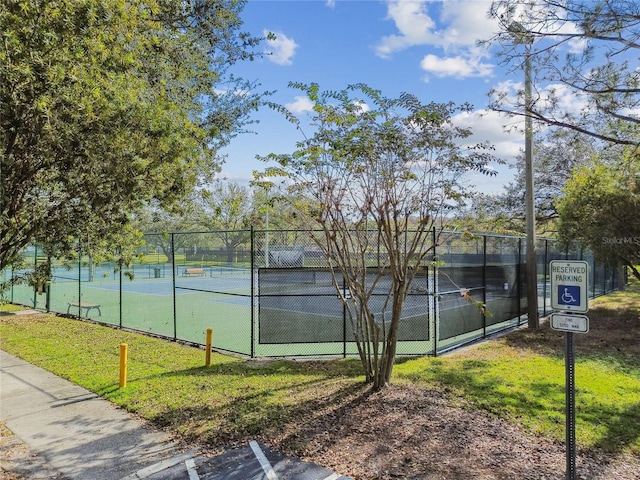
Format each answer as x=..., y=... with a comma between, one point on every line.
x=375, y=179
x=105, y=105
x=556, y=154
x=600, y=210
x=228, y=210
x=159, y=224
x=584, y=57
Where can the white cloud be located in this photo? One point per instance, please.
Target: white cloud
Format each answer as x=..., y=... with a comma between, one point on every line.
x=490, y=126
x=459, y=67
x=466, y=22
x=414, y=25
x=280, y=50
x=460, y=24
x=554, y=97
x=362, y=106
x=301, y=104
x=455, y=32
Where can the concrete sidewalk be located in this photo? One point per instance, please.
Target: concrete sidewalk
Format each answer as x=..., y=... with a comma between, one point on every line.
x=64, y=432
x=75, y=432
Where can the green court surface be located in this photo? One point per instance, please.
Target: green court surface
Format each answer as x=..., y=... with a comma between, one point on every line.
x=148, y=306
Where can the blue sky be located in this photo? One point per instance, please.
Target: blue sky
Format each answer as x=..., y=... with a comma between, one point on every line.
x=426, y=48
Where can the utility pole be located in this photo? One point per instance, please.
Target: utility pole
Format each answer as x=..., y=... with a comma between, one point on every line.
x=522, y=36
x=532, y=257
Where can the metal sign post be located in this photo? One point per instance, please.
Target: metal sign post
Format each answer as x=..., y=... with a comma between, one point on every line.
x=569, y=287
x=570, y=404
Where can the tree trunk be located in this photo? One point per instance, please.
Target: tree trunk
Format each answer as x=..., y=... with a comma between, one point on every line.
x=169, y=253
x=230, y=253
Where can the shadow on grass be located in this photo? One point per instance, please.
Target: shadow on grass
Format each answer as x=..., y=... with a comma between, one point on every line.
x=614, y=330
x=476, y=381
x=612, y=343
x=231, y=403
x=623, y=428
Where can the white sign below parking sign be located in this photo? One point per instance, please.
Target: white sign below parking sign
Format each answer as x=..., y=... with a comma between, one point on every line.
x=569, y=323
x=569, y=285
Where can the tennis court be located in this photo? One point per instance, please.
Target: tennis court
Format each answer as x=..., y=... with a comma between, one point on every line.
x=283, y=302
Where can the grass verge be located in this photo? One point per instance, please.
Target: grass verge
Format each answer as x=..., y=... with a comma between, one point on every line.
x=519, y=377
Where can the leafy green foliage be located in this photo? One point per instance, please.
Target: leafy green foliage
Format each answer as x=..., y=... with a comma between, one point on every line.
x=600, y=210
x=376, y=178
x=106, y=105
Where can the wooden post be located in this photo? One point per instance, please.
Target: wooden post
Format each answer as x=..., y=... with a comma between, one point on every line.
x=123, y=364
x=209, y=343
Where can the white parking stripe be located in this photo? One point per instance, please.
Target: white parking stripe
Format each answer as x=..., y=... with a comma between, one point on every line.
x=158, y=467
x=333, y=476
x=191, y=469
x=266, y=466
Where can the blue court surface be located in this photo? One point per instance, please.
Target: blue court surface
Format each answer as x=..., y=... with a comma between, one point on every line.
x=164, y=287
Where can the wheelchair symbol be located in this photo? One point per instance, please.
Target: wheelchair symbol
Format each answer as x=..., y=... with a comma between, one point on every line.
x=567, y=297
x=568, y=294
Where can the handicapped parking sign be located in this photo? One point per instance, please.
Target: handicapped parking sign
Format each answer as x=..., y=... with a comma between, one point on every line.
x=569, y=285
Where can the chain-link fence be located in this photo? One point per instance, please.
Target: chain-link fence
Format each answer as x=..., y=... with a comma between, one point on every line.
x=272, y=293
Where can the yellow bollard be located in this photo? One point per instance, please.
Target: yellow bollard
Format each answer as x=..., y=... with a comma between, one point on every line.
x=123, y=364
x=209, y=343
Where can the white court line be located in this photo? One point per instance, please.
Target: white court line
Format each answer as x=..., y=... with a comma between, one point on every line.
x=191, y=469
x=266, y=466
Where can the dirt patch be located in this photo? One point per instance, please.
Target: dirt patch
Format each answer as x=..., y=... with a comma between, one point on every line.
x=412, y=432
x=415, y=433
x=611, y=332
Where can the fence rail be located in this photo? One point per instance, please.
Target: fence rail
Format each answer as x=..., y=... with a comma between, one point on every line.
x=270, y=293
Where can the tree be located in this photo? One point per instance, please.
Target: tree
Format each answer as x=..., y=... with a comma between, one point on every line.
x=585, y=50
x=228, y=210
x=600, y=210
x=106, y=105
x=555, y=156
x=488, y=213
x=159, y=223
x=375, y=179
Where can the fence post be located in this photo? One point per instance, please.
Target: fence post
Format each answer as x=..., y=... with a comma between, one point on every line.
x=173, y=285
x=545, y=267
x=80, y=278
x=48, y=286
x=484, y=285
x=253, y=293
x=120, y=288
x=344, y=320
x=519, y=285
x=35, y=287
x=436, y=315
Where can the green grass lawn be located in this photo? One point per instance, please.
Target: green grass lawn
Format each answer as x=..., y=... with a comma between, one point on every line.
x=519, y=377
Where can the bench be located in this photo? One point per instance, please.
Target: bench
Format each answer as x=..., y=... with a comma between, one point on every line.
x=193, y=271
x=85, y=306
